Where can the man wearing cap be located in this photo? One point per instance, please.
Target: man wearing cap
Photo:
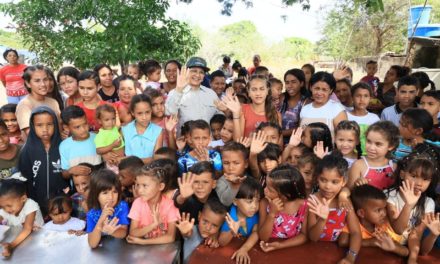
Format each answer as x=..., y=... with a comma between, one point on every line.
x=190, y=100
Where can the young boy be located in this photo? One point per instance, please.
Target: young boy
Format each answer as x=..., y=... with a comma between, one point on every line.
x=80, y=147
x=195, y=188
x=276, y=88
x=430, y=101
x=152, y=71
x=199, y=138
x=165, y=153
x=218, y=83
x=406, y=97
x=370, y=205
x=127, y=175
x=210, y=220
x=234, y=158
x=372, y=80
x=216, y=123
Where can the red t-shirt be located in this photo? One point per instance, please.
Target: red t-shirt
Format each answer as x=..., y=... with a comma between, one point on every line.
x=12, y=77
x=252, y=119
x=90, y=114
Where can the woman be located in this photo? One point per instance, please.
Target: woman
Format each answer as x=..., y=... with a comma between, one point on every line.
x=171, y=69
x=53, y=91
x=11, y=77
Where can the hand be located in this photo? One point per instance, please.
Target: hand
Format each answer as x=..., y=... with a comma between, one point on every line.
x=409, y=195
x=233, y=104
x=116, y=143
x=185, y=225
x=220, y=105
x=342, y=73
x=258, y=142
x=241, y=257
x=295, y=138
x=345, y=203
x=361, y=181
x=171, y=122
x=320, y=209
x=345, y=261
x=230, y=91
x=384, y=241
x=212, y=242
x=156, y=215
x=106, y=212
x=234, y=178
x=275, y=206
x=181, y=143
x=201, y=154
x=76, y=232
x=80, y=170
x=182, y=79
x=7, y=250
x=245, y=141
x=267, y=247
x=432, y=222
x=110, y=226
x=319, y=150
x=111, y=157
x=133, y=240
x=185, y=185
x=233, y=225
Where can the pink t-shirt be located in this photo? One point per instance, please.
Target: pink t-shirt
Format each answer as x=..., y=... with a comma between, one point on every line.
x=252, y=119
x=141, y=212
x=12, y=76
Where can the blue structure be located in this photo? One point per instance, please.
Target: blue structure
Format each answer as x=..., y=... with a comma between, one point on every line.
x=423, y=29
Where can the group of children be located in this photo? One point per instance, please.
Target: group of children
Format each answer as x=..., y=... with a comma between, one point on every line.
x=120, y=169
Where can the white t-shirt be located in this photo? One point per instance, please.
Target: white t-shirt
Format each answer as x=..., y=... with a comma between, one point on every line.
x=216, y=143
x=29, y=206
x=324, y=114
x=367, y=119
x=73, y=224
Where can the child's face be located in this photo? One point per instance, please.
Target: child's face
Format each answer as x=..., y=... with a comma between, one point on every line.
x=227, y=131
x=330, y=183
x=248, y=207
x=307, y=73
x=107, y=120
x=272, y=135
x=374, y=211
x=79, y=128
x=203, y=185
x=200, y=137
x=158, y=105
x=238, y=86
x=321, y=92
x=234, y=163
x=108, y=197
x=346, y=141
x=38, y=83
x=421, y=184
x=50, y=84
x=126, y=177
x=406, y=95
x=276, y=90
x=142, y=113
x=406, y=129
x=44, y=126
x=60, y=218
x=68, y=84
x=371, y=69
x=133, y=72
x=82, y=183
x=428, y=103
x=12, y=204
x=256, y=61
x=215, y=130
x=361, y=99
x=307, y=173
x=269, y=191
x=88, y=90
x=295, y=154
x=343, y=93
x=218, y=84
x=306, y=137
x=154, y=76
x=11, y=122
x=377, y=145
x=268, y=165
x=209, y=223
x=4, y=139
x=148, y=187
x=258, y=91
x=105, y=77
x=126, y=91
x=293, y=85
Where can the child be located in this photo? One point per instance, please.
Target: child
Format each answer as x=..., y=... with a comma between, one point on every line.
x=293, y=153
x=60, y=210
x=308, y=70
x=126, y=90
x=370, y=79
x=81, y=182
x=195, y=188
x=153, y=215
x=226, y=133
x=276, y=88
x=242, y=219
x=67, y=79
x=210, y=219
x=216, y=123
x=40, y=160
x=376, y=168
x=370, y=206
x=17, y=210
x=264, y=157
x=406, y=96
x=325, y=219
x=347, y=139
x=165, y=153
x=343, y=92
x=134, y=72
x=8, y=116
x=239, y=86
x=108, y=139
x=128, y=167
x=80, y=147
x=88, y=89
x=200, y=136
x=9, y=153
x=306, y=166
x=142, y=137
x=234, y=159
x=273, y=133
x=283, y=211
x=170, y=168
x=430, y=101
x=218, y=83
x=151, y=69
x=107, y=214
x=362, y=95
x=411, y=197
x=247, y=117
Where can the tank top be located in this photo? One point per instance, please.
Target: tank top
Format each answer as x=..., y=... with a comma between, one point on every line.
x=334, y=225
x=252, y=119
x=380, y=177
x=288, y=225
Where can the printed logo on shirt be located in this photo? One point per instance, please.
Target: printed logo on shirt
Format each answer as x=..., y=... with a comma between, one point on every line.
x=57, y=166
x=35, y=169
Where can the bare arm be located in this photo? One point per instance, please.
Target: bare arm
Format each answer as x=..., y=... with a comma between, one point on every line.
x=169, y=237
x=265, y=223
x=137, y=231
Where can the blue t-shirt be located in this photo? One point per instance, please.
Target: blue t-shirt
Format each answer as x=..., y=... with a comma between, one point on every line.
x=250, y=222
x=402, y=151
x=187, y=161
x=121, y=212
x=141, y=146
x=74, y=152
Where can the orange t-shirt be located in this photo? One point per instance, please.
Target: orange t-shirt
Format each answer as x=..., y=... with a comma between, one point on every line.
x=252, y=119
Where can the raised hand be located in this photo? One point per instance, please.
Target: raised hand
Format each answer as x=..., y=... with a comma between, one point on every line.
x=267, y=247
x=185, y=185
x=233, y=104
x=320, y=209
x=230, y=91
x=171, y=122
x=241, y=257
x=110, y=226
x=384, y=241
x=220, y=105
x=342, y=73
x=233, y=225
x=185, y=225
x=156, y=215
x=275, y=206
x=409, y=195
x=182, y=79
x=319, y=150
x=201, y=153
x=295, y=138
x=245, y=141
x=258, y=143
x=432, y=222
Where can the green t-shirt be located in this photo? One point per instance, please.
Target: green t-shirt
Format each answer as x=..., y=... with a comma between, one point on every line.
x=105, y=138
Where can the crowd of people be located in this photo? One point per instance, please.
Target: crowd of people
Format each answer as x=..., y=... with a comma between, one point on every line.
x=211, y=155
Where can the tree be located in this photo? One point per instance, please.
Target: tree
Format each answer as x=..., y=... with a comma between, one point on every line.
x=86, y=32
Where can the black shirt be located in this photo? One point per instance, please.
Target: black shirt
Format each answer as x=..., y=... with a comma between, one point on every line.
x=192, y=205
x=111, y=99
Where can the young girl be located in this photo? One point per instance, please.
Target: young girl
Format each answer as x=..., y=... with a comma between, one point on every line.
x=283, y=211
x=249, y=116
x=411, y=197
x=326, y=220
x=107, y=214
x=347, y=139
x=142, y=137
x=376, y=168
x=226, y=134
x=67, y=79
x=60, y=210
x=151, y=70
x=430, y=101
x=40, y=160
x=306, y=166
x=242, y=218
x=273, y=133
x=134, y=72
x=82, y=187
x=126, y=90
x=8, y=116
x=17, y=210
x=9, y=153
x=153, y=215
